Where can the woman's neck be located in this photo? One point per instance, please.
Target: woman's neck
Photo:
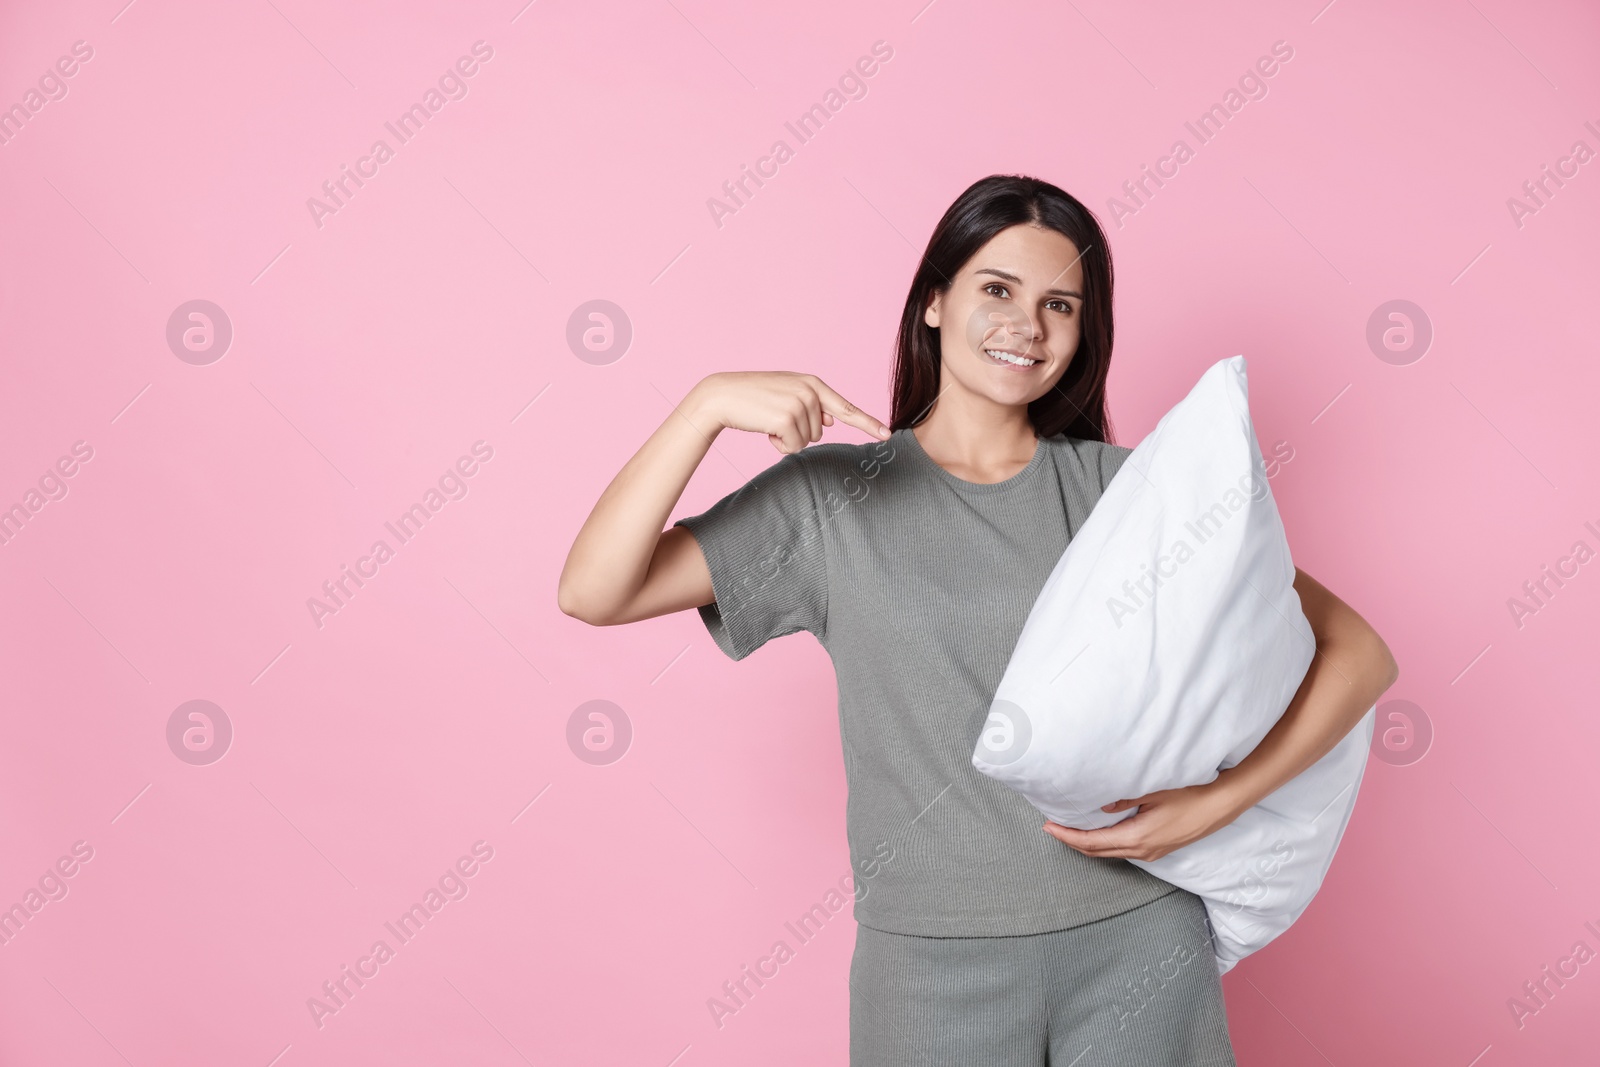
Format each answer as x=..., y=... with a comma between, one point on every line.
x=975, y=439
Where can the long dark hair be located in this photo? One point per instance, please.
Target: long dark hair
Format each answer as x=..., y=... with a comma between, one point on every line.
x=1077, y=404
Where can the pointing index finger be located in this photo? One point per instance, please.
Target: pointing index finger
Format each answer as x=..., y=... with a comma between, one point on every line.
x=844, y=411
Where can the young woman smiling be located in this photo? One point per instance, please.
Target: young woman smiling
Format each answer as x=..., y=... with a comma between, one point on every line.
x=914, y=560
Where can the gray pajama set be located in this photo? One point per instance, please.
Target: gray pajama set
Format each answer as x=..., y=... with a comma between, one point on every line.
x=981, y=939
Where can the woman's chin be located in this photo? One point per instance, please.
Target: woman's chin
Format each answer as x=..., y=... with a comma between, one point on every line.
x=1009, y=387
x=1019, y=395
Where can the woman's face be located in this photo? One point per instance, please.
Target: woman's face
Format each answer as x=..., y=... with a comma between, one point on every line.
x=1008, y=324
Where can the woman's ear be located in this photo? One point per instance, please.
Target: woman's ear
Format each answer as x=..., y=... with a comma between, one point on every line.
x=931, y=314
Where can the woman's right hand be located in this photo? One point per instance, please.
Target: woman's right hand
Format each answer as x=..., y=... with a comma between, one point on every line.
x=623, y=566
x=789, y=407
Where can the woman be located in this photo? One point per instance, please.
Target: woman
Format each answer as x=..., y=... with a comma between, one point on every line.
x=914, y=560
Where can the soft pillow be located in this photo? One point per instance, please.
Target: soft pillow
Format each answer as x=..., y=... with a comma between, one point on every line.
x=1164, y=646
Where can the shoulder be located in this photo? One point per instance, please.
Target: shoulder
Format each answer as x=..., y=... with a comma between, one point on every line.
x=1096, y=451
x=1095, y=460
x=1092, y=448
x=803, y=480
x=814, y=470
x=832, y=460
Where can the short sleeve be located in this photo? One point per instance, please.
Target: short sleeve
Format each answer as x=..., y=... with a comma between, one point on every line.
x=763, y=546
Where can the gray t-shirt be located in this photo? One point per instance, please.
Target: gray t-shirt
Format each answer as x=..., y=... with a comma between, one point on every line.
x=918, y=583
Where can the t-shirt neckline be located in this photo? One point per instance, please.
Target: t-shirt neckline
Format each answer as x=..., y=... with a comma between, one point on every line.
x=915, y=448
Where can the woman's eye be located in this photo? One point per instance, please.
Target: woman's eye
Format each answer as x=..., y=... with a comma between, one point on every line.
x=992, y=286
x=1061, y=306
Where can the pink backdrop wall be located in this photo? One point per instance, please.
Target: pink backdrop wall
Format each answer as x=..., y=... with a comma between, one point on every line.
x=377, y=341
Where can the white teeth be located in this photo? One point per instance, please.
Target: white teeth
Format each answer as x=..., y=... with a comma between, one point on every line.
x=1021, y=361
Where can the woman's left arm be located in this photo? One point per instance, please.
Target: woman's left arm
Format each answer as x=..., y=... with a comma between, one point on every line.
x=1351, y=669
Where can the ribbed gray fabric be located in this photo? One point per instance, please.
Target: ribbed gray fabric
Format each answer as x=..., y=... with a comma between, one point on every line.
x=1138, y=989
x=918, y=584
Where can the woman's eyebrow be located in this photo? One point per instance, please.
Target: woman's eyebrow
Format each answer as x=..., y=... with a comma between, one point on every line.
x=1014, y=280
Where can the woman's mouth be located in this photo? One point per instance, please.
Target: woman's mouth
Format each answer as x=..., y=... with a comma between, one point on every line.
x=1002, y=357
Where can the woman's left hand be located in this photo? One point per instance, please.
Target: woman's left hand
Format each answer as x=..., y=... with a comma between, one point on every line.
x=1166, y=820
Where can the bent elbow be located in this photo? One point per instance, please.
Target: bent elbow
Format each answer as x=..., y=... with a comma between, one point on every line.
x=1388, y=666
x=575, y=605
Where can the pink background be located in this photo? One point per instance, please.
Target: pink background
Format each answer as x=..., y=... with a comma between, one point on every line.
x=428, y=313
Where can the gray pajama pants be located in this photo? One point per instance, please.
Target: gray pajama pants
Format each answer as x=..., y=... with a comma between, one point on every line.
x=1139, y=989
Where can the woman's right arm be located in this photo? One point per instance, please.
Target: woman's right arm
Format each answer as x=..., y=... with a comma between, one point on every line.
x=623, y=566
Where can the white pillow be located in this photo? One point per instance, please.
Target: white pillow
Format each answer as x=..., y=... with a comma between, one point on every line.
x=1164, y=646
